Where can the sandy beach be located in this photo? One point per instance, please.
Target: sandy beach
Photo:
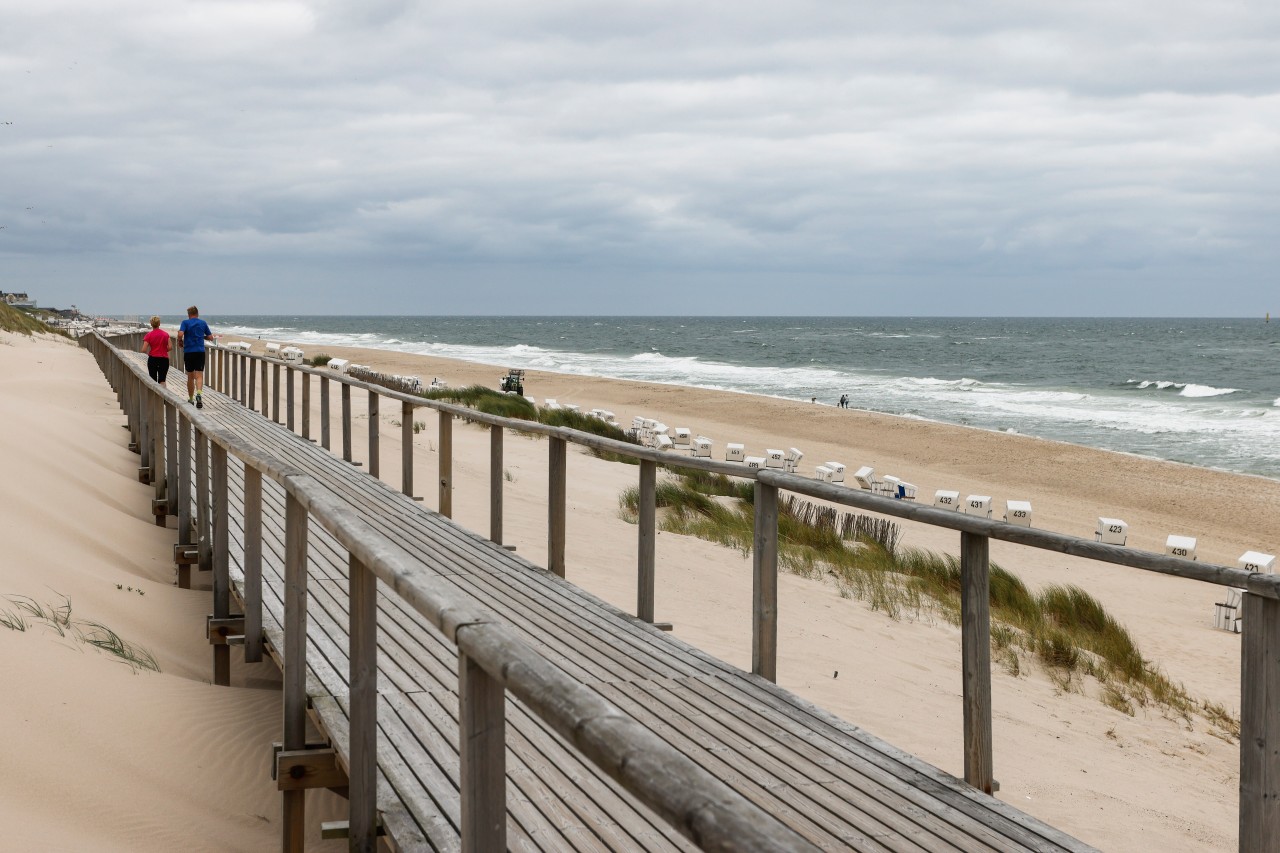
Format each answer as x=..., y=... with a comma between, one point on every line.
x=77, y=524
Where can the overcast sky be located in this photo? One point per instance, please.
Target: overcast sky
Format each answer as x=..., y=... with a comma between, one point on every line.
x=656, y=157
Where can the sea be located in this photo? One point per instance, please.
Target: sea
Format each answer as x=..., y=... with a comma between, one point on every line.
x=1200, y=391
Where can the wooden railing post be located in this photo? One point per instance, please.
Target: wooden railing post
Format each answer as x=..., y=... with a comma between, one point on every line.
x=346, y=422
x=375, y=434
x=204, y=525
x=295, y=662
x=171, y=457
x=275, y=392
x=557, y=490
x=252, y=564
x=142, y=403
x=251, y=400
x=482, y=758
x=159, y=466
x=184, y=497
x=288, y=398
x=406, y=448
x=246, y=390
x=496, y=476
x=266, y=408
x=764, y=586
x=324, y=412
x=445, y=459
x=221, y=564
x=363, y=709
x=975, y=632
x=306, y=405
x=646, y=522
x=1259, y=724
x=232, y=387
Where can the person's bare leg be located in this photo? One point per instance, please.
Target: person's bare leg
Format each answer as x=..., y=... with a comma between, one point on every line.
x=199, y=380
x=191, y=385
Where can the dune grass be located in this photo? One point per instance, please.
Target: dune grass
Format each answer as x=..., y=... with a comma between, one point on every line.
x=1062, y=628
x=14, y=320
x=320, y=360
x=24, y=612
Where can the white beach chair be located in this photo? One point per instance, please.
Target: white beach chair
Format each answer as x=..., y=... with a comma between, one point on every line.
x=734, y=452
x=550, y=403
x=273, y=350
x=823, y=473
x=339, y=364
x=681, y=436
x=1112, y=531
x=946, y=499
x=794, y=455
x=663, y=442
x=1018, y=513
x=865, y=477
x=774, y=458
x=569, y=406
x=755, y=462
x=700, y=447
x=1256, y=561
x=907, y=491
x=239, y=346
x=1180, y=546
x=637, y=423
x=291, y=355
x=533, y=401
x=979, y=505
x=837, y=471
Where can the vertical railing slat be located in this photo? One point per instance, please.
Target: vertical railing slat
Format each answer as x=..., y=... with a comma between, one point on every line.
x=221, y=562
x=295, y=661
x=362, y=775
x=764, y=586
x=252, y=564
x=975, y=631
x=324, y=412
x=204, y=526
x=445, y=460
x=289, y=401
x=1259, y=724
x=557, y=491
x=375, y=434
x=275, y=392
x=306, y=405
x=482, y=758
x=406, y=448
x=497, y=475
x=346, y=422
x=646, y=548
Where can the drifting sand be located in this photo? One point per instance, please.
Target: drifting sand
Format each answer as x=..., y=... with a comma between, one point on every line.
x=114, y=760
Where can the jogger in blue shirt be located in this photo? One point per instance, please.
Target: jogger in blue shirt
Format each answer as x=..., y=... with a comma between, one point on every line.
x=191, y=337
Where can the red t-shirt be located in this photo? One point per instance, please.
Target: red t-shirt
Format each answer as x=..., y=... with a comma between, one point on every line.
x=159, y=342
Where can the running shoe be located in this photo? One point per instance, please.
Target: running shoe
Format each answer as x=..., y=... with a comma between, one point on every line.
x=199, y=402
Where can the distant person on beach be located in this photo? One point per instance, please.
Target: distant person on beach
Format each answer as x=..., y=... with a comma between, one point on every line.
x=844, y=401
x=156, y=346
x=191, y=337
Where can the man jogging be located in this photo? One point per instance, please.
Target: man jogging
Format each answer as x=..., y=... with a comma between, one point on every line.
x=191, y=337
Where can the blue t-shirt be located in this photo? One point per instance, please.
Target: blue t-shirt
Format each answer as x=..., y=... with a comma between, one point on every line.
x=194, y=331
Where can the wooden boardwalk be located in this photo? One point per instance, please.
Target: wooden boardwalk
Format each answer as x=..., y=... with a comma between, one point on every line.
x=835, y=785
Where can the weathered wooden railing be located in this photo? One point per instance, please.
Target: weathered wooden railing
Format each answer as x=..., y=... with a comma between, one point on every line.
x=492, y=659
x=1260, y=657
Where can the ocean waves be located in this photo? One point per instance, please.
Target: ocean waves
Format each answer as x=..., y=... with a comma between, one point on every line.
x=1182, y=389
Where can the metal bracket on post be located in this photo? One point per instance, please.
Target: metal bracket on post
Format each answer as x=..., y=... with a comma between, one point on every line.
x=224, y=631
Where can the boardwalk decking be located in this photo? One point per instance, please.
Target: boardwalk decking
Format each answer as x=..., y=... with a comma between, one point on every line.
x=835, y=785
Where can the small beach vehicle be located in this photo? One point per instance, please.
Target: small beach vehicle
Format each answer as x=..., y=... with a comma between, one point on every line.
x=513, y=382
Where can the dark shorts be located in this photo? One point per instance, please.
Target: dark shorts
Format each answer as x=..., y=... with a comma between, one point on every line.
x=193, y=362
x=157, y=368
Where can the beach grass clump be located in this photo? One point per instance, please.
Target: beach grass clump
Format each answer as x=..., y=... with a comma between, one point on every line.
x=15, y=320
x=320, y=360
x=1064, y=629
x=486, y=400
x=23, y=612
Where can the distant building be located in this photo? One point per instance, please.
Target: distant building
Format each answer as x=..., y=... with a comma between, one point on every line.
x=17, y=300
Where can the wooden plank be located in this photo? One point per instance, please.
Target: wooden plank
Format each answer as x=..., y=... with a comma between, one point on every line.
x=646, y=523
x=975, y=630
x=363, y=707
x=557, y=513
x=252, y=564
x=221, y=579
x=764, y=586
x=375, y=455
x=204, y=526
x=346, y=422
x=324, y=412
x=306, y=405
x=295, y=665
x=482, y=759
x=497, y=477
x=304, y=769
x=184, y=495
x=289, y=402
x=406, y=448
x=1259, y=724
x=171, y=457
x=275, y=392
x=266, y=407
x=444, y=458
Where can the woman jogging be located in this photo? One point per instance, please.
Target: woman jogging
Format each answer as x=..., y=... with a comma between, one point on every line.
x=156, y=346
